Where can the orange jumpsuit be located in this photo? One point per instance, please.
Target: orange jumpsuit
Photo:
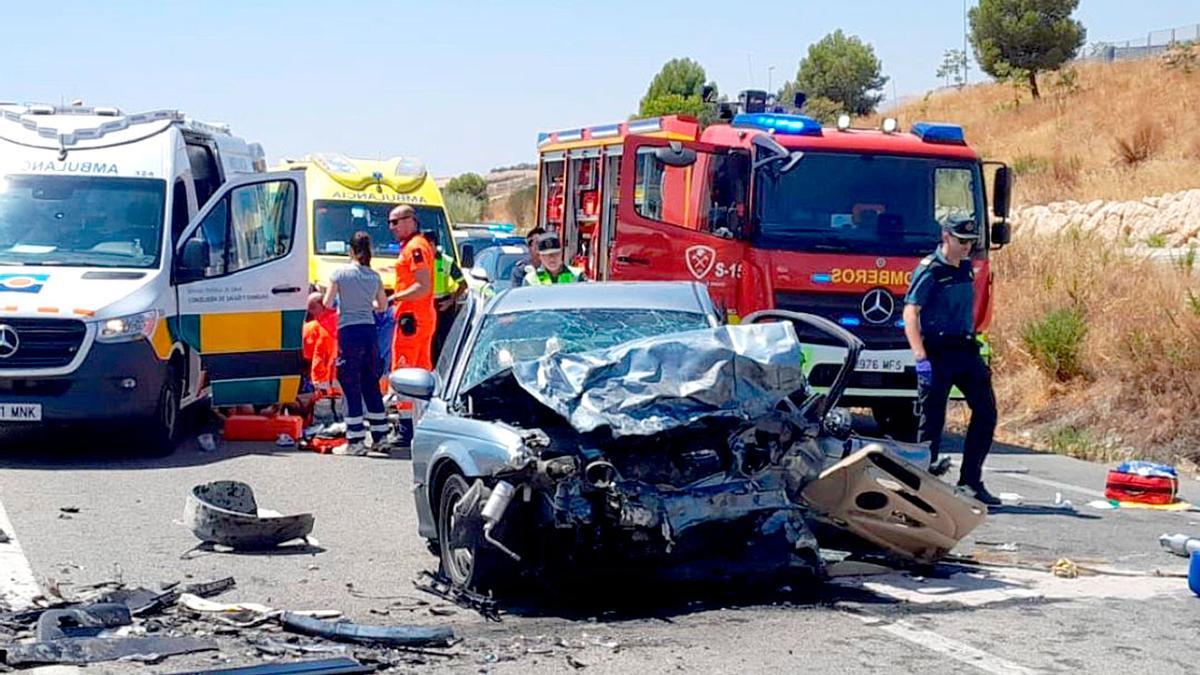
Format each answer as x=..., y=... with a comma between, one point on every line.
x=320, y=347
x=414, y=349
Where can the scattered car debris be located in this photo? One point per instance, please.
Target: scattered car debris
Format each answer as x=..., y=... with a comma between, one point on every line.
x=226, y=513
x=89, y=621
x=439, y=585
x=245, y=614
x=96, y=650
x=69, y=509
x=338, y=666
x=206, y=442
x=4, y=538
x=345, y=631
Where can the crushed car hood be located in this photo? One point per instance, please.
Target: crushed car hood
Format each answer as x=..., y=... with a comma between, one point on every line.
x=654, y=384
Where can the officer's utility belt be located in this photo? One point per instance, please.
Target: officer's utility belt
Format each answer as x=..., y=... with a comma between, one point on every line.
x=942, y=340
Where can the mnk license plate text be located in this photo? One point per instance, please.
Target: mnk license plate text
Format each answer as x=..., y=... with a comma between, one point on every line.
x=20, y=412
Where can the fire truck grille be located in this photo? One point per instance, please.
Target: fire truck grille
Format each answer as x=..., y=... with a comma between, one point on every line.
x=840, y=306
x=42, y=343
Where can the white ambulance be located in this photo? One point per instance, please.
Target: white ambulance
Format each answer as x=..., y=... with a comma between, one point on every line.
x=147, y=262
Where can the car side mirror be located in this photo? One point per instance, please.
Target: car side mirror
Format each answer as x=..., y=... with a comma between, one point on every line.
x=415, y=383
x=1001, y=233
x=1001, y=192
x=675, y=155
x=193, y=260
x=467, y=253
x=480, y=274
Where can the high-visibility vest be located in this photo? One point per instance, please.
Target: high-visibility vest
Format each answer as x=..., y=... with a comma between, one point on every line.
x=542, y=277
x=444, y=282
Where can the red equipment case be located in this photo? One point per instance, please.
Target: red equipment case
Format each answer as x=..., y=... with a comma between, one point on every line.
x=1130, y=487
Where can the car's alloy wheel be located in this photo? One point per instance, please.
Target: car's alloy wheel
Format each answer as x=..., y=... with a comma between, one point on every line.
x=459, y=541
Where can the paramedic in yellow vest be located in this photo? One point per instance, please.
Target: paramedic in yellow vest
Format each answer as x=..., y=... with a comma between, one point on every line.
x=448, y=289
x=552, y=269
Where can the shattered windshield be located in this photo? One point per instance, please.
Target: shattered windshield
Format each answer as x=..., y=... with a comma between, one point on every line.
x=81, y=221
x=506, y=339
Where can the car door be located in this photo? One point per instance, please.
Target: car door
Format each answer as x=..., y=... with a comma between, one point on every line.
x=682, y=215
x=241, y=274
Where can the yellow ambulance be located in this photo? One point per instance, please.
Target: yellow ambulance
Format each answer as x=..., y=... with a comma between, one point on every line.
x=346, y=195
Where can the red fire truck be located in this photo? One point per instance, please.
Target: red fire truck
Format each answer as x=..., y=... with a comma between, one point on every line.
x=773, y=211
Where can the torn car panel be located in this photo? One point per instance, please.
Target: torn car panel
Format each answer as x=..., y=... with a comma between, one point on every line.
x=654, y=384
x=893, y=505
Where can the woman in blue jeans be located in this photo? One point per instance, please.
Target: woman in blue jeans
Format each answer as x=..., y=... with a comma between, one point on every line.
x=359, y=294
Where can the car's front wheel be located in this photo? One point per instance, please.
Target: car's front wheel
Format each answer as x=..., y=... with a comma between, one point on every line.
x=466, y=559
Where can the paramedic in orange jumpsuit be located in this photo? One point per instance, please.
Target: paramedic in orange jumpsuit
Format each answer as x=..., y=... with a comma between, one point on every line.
x=416, y=316
x=320, y=344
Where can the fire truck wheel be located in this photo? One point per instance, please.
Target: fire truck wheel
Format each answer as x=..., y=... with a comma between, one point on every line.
x=897, y=420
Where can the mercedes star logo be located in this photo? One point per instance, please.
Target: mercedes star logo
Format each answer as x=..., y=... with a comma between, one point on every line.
x=9, y=341
x=878, y=305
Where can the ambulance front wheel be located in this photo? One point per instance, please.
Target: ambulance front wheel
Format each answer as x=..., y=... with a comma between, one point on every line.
x=163, y=431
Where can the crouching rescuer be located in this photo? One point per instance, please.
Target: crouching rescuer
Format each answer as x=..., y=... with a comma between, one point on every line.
x=939, y=324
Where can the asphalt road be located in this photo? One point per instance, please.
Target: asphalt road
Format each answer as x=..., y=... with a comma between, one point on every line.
x=1000, y=619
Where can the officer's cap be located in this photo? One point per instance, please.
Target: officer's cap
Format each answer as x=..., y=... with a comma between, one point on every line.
x=962, y=228
x=549, y=243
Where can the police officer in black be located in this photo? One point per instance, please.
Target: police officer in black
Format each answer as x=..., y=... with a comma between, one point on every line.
x=939, y=323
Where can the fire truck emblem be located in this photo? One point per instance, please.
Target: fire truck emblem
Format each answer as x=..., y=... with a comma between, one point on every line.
x=700, y=260
x=878, y=305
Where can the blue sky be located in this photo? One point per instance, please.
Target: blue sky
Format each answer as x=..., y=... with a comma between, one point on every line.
x=464, y=85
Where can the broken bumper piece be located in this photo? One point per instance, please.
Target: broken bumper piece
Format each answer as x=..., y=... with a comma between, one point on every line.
x=225, y=512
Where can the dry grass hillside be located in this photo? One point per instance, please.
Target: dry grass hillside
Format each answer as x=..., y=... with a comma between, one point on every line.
x=1119, y=131
x=1097, y=352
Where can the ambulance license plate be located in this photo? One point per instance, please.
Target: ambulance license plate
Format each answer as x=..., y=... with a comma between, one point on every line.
x=20, y=412
x=876, y=364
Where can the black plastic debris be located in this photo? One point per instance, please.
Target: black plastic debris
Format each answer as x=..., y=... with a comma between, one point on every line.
x=439, y=585
x=210, y=588
x=344, y=631
x=88, y=621
x=339, y=666
x=96, y=650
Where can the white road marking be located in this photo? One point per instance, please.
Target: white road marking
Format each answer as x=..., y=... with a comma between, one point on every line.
x=959, y=651
x=18, y=587
x=993, y=585
x=1045, y=482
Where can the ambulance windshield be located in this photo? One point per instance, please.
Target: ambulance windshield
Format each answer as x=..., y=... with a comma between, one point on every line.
x=336, y=221
x=81, y=221
x=869, y=204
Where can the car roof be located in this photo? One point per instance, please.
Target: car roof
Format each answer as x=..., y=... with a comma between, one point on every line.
x=675, y=295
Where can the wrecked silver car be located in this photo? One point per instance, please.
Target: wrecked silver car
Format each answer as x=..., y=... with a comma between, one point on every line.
x=610, y=426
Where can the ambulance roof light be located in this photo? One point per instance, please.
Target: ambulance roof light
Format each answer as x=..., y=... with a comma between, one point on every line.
x=843, y=122
x=890, y=125
x=410, y=167
x=786, y=125
x=334, y=163
x=939, y=132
